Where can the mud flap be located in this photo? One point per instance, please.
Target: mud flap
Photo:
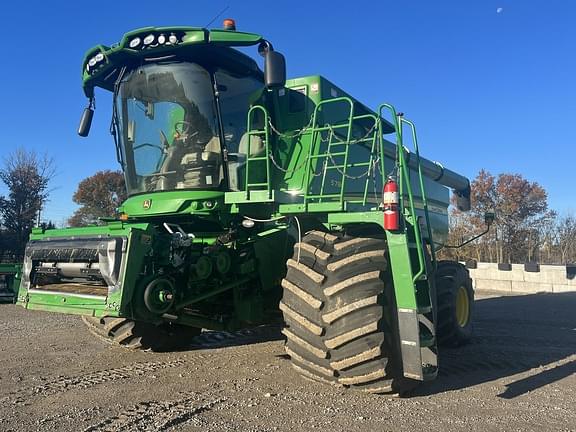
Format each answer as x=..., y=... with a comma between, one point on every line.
x=408, y=329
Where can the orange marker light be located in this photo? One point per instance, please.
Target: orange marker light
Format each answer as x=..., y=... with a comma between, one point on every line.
x=229, y=24
x=123, y=217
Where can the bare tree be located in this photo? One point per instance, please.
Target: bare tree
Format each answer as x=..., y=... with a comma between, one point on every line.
x=566, y=237
x=27, y=176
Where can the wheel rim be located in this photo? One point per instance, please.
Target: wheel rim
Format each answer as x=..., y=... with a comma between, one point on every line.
x=462, y=306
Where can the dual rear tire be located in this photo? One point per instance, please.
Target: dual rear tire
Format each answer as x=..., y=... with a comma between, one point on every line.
x=455, y=304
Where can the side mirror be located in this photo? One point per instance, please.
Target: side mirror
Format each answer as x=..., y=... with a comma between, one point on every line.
x=463, y=199
x=489, y=218
x=274, y=69
x=131, y=132
x=85, y=122
x=149, y=110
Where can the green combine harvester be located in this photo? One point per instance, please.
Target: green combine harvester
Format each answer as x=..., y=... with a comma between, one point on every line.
x=254, y=199
x=9, y=281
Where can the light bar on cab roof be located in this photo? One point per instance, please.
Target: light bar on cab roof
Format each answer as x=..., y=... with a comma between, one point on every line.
x=156, y=39
x=139, y=42
x=96, y=61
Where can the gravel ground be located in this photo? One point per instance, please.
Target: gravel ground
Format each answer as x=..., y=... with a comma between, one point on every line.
x=517, y=375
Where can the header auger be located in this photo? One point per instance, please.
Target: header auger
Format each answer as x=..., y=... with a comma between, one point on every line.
x=255, y=199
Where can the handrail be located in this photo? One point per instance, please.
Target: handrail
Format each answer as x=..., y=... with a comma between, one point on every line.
x=381, y=134
x=314, y=139
x=371, y=165
x=250, y=132
x=374, y=135
x=422, y=189
x=405, y=183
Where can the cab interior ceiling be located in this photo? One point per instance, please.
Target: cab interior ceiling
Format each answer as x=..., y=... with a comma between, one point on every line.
x=207, y=56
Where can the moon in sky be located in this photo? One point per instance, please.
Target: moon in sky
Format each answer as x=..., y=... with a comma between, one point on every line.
x=499, y=10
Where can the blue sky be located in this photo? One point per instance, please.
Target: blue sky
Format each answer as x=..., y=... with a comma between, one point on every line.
x=487, y=89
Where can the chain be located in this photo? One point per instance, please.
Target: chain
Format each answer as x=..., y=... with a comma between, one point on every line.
x=297, y=168
x=317, y=174
x=356, y=141
x=298, y=133
x=343, y=174
x=323, y=139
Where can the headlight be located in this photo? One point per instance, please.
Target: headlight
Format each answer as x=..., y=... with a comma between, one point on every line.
x=149, y=39
x=134, y=42
x=162, y=39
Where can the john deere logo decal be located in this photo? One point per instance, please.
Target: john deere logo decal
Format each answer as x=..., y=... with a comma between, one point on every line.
x=147, y=204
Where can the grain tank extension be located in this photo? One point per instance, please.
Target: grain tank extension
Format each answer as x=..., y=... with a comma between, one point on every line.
x=256, y=199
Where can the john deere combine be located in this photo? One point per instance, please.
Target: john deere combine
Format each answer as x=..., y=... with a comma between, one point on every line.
x=254, y=198
x=9, y=280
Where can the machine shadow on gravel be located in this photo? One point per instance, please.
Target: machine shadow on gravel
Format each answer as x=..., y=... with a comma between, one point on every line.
x=513, y=334
x=222, y=339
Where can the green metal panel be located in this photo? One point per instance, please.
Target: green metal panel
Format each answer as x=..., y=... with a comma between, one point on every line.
x=64, y=303
x=260, y=196
x=10, y=268
x=235, y=38
x=402, y=272
x=110, y=229
x=172, y=202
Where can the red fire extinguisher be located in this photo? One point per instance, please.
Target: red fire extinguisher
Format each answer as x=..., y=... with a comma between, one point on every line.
x=390, y=203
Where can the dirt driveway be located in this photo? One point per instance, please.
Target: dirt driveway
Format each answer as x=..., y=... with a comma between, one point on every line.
x=517, y=375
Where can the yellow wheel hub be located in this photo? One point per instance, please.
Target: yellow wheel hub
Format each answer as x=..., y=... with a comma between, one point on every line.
x=462, y=306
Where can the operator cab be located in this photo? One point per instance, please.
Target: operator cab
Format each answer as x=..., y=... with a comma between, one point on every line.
x=173, y=127
x=179, y=118
x=181, y=99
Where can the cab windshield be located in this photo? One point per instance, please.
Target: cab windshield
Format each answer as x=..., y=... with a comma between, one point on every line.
x=168, y=129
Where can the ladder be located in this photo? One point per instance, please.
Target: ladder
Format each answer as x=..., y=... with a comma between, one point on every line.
x=410, y=268
x=264, y=134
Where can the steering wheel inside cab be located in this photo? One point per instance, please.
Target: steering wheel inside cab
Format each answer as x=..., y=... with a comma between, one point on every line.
x=182, y=132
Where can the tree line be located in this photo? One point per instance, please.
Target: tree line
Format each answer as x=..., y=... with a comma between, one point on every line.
x=525, y=229
x=26, y=177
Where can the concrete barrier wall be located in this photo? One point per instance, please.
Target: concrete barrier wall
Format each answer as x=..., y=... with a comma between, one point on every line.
x=550, y=278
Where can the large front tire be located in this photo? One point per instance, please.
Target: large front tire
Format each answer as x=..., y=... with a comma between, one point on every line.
x=339, y=309
x=139, y=335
